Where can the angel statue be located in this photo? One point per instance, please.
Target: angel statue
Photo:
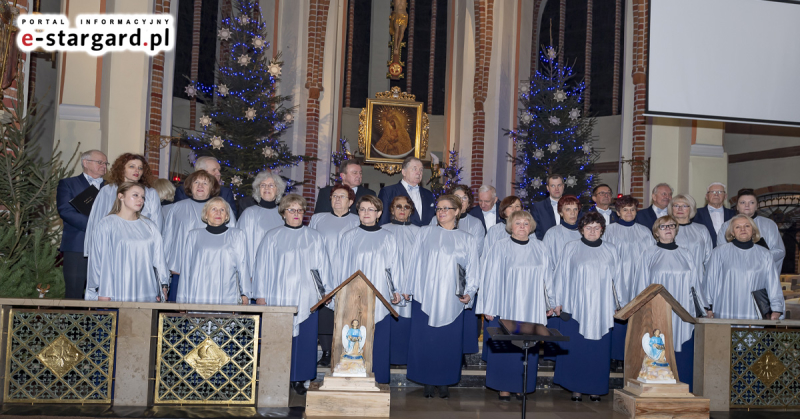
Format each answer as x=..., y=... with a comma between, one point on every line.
x=655, y=368
x=351, y=363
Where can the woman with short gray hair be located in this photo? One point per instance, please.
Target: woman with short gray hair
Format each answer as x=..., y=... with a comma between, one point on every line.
x=691, y=236
x=257, y=220
x=215, y=269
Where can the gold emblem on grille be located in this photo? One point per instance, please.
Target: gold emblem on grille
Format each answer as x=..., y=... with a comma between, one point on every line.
x=768, y=368
x=60, y=355
x=207, y=358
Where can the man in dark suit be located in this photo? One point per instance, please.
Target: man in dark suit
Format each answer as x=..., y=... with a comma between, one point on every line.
x=94, y=165
x=350, y=172
x=661, y=196
x=714, y=214
x=409, y=186
x=545, y=212
x=601, y=196
x=210, y=165
x=488, y=208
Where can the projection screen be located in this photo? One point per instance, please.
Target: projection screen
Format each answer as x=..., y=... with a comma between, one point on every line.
x=729, y=60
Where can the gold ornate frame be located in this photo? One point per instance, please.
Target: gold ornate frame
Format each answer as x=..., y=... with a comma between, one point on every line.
x=394, y=98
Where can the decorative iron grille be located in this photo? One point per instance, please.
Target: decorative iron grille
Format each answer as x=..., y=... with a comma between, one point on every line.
x=765, y=368
x=60, y=356
x=206, y=358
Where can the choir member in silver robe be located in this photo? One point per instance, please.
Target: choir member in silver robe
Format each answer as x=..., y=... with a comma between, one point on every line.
x=126, y=168
x=406, y=235
x=693, y=237
x=166, y=194
x=282, y=276
x=437, y=317
x=508, y=206
x=588, y=267
x=517, y=285
x=631, y=240
x=738, y=268
x=472, y=225
x=747, y=204
x=332, y=225
x=554, y=240
x=374, y=251
x=127, y=249
x=674, y=267
x=215, y=268
x=185, y=216
x=257, y=220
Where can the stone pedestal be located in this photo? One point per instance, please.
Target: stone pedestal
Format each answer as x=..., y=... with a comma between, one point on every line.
x=348, y=396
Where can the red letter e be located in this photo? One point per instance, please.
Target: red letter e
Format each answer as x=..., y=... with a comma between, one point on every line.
x=26, y=39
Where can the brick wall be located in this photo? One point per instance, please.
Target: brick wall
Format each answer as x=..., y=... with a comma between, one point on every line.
x=562, y=23
x=617, y=58
x=410, y=43
x=10, y=94
x=198, y=7
x=484, y=25
x=431, y=57
x=152, y=149
x=351, y=17
x=317, y=23
x=587, y=92
x=537, y=4
x=640, y=36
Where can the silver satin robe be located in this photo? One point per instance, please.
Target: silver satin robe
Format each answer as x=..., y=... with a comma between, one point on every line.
x=406, y=236
x=733, y=274
x=556, y=238
x=434, y=275
x=183, y=217
x=677, y=271
x=584, y=280
x=332, y=227
x=769, y=232
x=282, y=273
x=496, y=233
x=214, y=269
x=256, y=221
x=631, y=242
x=471, y=225
x=694, y=237
x=105, y=200
x=517, y=277
x=122, y=262
x=373, y=253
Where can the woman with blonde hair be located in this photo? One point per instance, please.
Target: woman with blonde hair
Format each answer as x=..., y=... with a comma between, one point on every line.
x=691, y=236
x=127, y=262
x=215, y=268
x=443, y=283
x=126, y=168
x=737, y=268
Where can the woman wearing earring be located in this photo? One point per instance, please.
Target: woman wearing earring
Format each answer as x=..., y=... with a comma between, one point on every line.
x=443, y=283
x=374, y=251
x=288, y=261
x=405, y=234
x=126, y=168
x=127, y=249
x=215, y=267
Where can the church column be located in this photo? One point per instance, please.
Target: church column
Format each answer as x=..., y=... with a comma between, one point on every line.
x=484, y=32
x=124, y=91
x=410, y=42
x=159, y=104
x=78, y=91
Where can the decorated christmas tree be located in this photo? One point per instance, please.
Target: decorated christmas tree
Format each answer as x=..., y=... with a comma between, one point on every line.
x=244, y=116
x=553, y=136
x=337, y=158
x=445, y=177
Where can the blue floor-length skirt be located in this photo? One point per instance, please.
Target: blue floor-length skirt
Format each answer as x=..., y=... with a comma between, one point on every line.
x=504, y=368
x=401, y=331
x=173, y=288
x=552, y=349
x=434, y=353
x=485, y=350
x=685, y=362
x=471, y=328
x=304, y=350
x=618, y=334
x=381, y=348
x=584, y=367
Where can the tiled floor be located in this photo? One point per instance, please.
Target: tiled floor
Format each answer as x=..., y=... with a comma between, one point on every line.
x=466, y=403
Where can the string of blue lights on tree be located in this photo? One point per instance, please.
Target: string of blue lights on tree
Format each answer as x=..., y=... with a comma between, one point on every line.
x=337, y=157
x=553, y=137
x=446, y=177
x=244, y=117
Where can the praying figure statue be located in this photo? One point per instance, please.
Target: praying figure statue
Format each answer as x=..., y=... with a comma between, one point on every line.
x=655, y=368
x=351, y=363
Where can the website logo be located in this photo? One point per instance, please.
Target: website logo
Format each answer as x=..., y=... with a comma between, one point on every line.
x=96, y=34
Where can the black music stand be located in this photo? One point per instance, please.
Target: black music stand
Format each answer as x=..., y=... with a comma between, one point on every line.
x=526, y=342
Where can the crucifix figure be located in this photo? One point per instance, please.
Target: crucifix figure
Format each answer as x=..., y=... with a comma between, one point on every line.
x=398, y=21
